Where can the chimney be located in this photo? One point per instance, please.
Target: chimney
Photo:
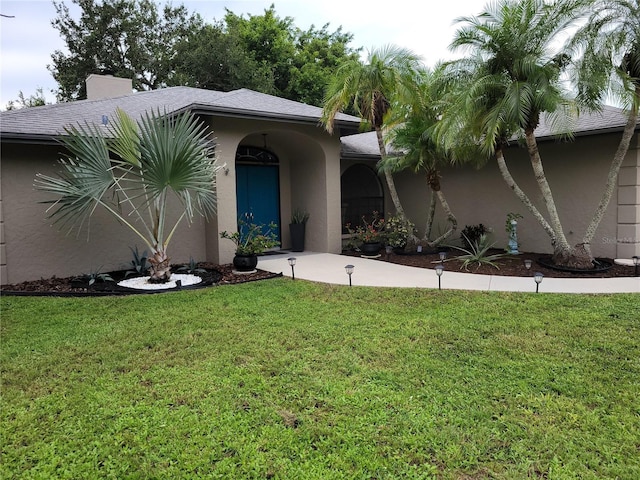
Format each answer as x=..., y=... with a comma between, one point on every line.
x=107, y=86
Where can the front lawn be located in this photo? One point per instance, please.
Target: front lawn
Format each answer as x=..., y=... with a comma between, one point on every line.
x=294, y=380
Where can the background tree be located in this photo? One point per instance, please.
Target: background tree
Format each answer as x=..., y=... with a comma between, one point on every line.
x=35, y=100
x=368, y=87
x=168, y=46
x=269, y=39
x=130, y=39
x=300, y=63
x=319, y=53
x=214, y=59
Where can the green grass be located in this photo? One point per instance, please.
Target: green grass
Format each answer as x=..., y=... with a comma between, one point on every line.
x=294, y=380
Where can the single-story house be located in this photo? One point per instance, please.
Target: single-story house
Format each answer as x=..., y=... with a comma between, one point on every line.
x=279, y=158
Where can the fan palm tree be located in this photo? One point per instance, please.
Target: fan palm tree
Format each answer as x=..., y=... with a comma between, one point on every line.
x=132, y=172
x=609, y=44
x=369, y=89
x=511, y=78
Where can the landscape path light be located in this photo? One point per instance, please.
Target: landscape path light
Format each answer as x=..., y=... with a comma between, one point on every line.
x=442, y=255
x=527, y=264
x=349, y=270
x=292, y=262
x=439, y=270
x=636, y=262
x=538, y=278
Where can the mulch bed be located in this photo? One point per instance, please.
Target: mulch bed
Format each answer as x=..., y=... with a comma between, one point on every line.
x=510, y=265
x=214, y=275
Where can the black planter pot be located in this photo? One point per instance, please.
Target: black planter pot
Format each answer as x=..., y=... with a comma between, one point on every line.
x=245, y=263
x=371, y=249
x=297, y=236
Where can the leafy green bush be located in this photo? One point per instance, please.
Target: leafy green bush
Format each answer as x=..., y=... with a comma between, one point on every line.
x=397, y=230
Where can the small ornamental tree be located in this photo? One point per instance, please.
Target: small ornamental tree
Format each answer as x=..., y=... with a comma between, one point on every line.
x=131, y=171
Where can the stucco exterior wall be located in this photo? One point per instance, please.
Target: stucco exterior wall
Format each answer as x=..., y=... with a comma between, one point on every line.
x=576, y=172
x=309, y=179
x=36, y=249
x=309, y=162
x=628, y=199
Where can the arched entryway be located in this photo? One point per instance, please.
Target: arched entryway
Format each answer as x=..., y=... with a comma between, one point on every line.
x=258, y=186
x=361, y=194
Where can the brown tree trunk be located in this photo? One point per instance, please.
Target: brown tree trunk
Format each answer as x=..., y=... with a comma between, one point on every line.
x=433, y=180
x=430, y=216
x=160, y=271
x=450, y=217
x=577, y=257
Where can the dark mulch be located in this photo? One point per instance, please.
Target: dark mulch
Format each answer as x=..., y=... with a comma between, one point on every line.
x=70, y=286
x=511, y=265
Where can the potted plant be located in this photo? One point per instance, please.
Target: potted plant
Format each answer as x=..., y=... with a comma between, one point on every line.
x=297, y=229
x=369, y=235
x=251, y=239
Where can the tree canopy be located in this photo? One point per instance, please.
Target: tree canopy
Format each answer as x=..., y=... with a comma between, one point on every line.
x=166, y=46
x=130, y=39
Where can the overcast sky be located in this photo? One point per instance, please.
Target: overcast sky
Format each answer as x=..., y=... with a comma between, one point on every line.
x=425, y=27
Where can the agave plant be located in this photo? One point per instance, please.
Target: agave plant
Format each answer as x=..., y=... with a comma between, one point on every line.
x=478, y=253
x=130, y=170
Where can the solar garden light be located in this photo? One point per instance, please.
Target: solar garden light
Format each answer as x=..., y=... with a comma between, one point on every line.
x=349, y=270
x=636, y=262
x=527, y=264
x=439, y=270
x=538, y=278
x=442, y=255
x=292, y=262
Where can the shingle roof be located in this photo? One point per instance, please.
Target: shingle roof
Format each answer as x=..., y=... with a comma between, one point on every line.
x=610, y=119
x=50, y=120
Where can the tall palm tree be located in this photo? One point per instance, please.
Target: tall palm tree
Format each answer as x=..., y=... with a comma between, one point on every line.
x=131, y=172
x=411, y=134
x=512, y=77
x=609, y=62
x=369, y=88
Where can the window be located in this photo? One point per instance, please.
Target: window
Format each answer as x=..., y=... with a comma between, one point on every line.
x=362, y=194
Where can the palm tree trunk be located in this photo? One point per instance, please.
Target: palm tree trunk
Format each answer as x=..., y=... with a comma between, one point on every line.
x=430, y=216
x=450, y=217
x=506, y=175
x=392, y=186
x=547, y=196
x=389, y=176
x=563, y=254
x=160, y=271
x=614, y=170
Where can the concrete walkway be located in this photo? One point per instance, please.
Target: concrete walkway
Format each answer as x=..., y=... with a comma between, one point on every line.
x=329, y=268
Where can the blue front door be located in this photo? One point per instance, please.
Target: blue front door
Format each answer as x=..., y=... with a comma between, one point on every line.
x=258, y=193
